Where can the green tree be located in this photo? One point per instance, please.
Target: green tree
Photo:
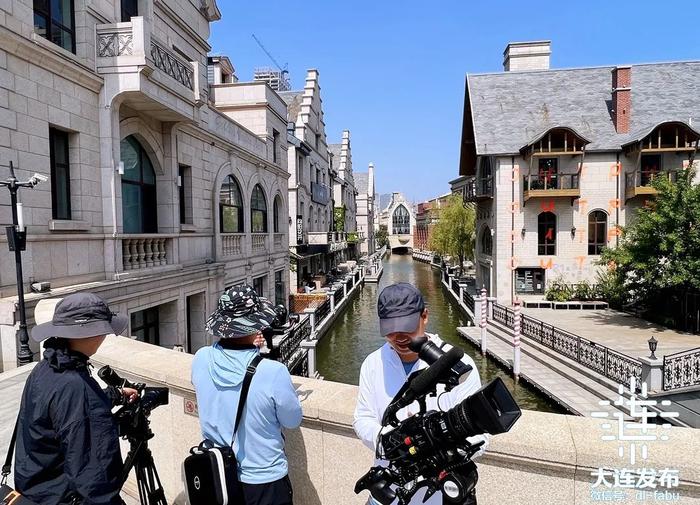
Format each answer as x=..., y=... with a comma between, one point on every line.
x=454, y=233
x=659, y=252
x=339, y=218
x=381, y=237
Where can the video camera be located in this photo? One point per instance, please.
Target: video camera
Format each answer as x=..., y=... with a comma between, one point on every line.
x=132, y=418
x=430, y=449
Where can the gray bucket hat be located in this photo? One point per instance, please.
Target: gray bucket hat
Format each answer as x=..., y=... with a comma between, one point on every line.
x=399, y=308
x=240, y=312
x=81, y=315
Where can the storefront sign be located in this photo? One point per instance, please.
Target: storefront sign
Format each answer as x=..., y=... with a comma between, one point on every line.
x=300, y=229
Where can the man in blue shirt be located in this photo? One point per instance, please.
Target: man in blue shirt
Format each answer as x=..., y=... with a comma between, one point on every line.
x=217, y=374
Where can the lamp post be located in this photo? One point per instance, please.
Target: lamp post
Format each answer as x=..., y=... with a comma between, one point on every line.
x=17, y=242
x=652, y=346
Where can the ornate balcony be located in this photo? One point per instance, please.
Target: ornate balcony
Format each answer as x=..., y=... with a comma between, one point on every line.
x=134, y=61
x=145, y=251
x=259, y=242
x=330, y=241
x=232, y=244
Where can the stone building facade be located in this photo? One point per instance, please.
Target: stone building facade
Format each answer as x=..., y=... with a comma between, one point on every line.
x=314, y=245
x=554, y=171
x=364, y=182
x=157, y=200
x=345, y=192
x=427, y=216
x=400, y=220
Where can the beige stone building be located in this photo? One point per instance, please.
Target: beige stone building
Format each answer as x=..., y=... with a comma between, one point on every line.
x=364, y=182
x=314, y=245
x=399, y=217
x=168, y=179
x=345, y=193
x=557, y=159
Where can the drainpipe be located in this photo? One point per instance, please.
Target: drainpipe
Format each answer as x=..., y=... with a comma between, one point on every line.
x=617, y=189
x=512, y=230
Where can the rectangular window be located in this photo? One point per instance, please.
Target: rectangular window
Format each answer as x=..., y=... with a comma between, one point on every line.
x=130, y=8
x=54, y=20
x=259, y=285
x=60, y=174
x=275, y=145
x=185, y=190
x=279, y=287
x=145, y=324
x=318, y=140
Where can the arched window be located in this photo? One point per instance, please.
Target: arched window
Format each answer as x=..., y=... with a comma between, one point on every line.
x=401, y=221
x=230, y=207
x=258, y=211
x=139, y=208
x=597, y=231
x=546, y=234
x=276, y=205
x=486, y=242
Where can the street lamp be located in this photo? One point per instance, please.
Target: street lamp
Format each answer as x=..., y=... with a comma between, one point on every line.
x=652, y=346
x=17, y=242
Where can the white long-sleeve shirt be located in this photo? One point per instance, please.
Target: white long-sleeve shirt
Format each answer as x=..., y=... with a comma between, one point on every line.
x=382, y=375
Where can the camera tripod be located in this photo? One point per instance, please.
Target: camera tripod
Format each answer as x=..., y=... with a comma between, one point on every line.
x=141, y=460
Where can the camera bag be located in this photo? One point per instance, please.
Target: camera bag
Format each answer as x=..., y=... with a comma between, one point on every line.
x=9, y=496
x=211, y=473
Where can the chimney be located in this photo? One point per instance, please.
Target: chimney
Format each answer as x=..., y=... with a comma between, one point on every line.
x=621, y=98
x=520, y=56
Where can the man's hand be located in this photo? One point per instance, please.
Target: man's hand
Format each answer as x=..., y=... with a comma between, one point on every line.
x=259, y=341
x=129, y=394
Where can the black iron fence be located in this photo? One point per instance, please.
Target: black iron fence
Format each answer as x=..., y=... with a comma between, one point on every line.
x=468, y=300
x=606, y=361
x=289, y=347
x=322, y=311
x=682, y=369
x=339, y=294
x=300, y=366
x=348, y=284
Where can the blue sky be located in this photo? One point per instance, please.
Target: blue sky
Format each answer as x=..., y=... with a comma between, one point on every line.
x=392, y=72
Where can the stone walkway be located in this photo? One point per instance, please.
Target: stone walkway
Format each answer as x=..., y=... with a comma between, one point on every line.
x=561, y=388
x=617, y=330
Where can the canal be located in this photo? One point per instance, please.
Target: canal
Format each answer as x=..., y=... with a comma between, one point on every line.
x=355, y=333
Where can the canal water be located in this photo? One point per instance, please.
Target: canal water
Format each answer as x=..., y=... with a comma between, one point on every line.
x=355, y=333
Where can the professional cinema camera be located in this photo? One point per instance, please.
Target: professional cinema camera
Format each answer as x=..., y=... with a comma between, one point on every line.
x=430, y=449
x=134, y=425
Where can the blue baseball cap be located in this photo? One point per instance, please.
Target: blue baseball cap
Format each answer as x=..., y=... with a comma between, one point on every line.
x=399, y=308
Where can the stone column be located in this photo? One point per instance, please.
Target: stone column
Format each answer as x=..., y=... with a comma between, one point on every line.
x=332, y=297
x=310, y=346
x=483, y=302
x=652, y=373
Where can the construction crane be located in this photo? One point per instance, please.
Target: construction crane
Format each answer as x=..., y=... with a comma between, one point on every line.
x=278, y=80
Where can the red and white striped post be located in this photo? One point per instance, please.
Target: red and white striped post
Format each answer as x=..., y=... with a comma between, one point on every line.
x=482, y=322
x=516, y=338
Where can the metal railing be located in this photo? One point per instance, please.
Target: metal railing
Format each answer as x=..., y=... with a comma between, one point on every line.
x=300, y=366
x=322, y=311
x=682, y=369
x=468, y=300
x=166, y=61
x=550, y=182
x=339, y=294
x=289, y=347
x=644, y=178
x=606, y=361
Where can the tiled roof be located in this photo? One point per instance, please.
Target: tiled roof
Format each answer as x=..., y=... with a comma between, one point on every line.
x=509, y=109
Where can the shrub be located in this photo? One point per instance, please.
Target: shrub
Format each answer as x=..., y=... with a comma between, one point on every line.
x=558, y=291
x=584, y=291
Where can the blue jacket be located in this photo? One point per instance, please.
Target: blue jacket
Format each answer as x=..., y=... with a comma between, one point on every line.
x=217, y=375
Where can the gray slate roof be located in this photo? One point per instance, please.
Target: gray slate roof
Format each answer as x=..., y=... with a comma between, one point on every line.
x=293, y=101
x=509, y=109
x=362, y=182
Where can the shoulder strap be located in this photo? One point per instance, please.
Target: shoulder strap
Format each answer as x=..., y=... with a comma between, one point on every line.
x=7, y=467
x=250, y=371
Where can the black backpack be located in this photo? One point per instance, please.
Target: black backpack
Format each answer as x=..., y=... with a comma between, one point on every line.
x=211, y=473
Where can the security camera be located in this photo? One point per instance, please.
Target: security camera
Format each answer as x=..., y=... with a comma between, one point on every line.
x=37, y=178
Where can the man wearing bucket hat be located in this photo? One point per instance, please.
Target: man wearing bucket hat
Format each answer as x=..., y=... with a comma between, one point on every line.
x=272, y=403
x=403, y=317
x=67, y=442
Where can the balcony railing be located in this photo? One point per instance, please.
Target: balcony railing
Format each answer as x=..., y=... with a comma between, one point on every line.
x=176, y=68
x=551, y=185
x=478, y=189
x=279, y=242
x=232, y=244
x=259, y=242
x=144, y=251
x=335, y=240
x=639, y=182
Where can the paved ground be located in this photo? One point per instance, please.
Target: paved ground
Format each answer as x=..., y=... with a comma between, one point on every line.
x=620, y=331
x=11, y=387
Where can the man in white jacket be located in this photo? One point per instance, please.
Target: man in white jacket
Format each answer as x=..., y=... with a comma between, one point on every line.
x=402, y=318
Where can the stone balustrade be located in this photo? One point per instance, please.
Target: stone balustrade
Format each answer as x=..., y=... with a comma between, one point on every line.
x=232, y=244
x=545, y=458
x=144, y=251
x=259, y=242
x=279, y=242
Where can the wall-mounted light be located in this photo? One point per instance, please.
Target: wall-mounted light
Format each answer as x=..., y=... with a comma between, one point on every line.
x=573, y=232
x=522, y=232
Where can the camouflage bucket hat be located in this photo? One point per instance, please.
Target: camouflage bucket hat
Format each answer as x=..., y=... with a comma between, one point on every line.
x=240, y=312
